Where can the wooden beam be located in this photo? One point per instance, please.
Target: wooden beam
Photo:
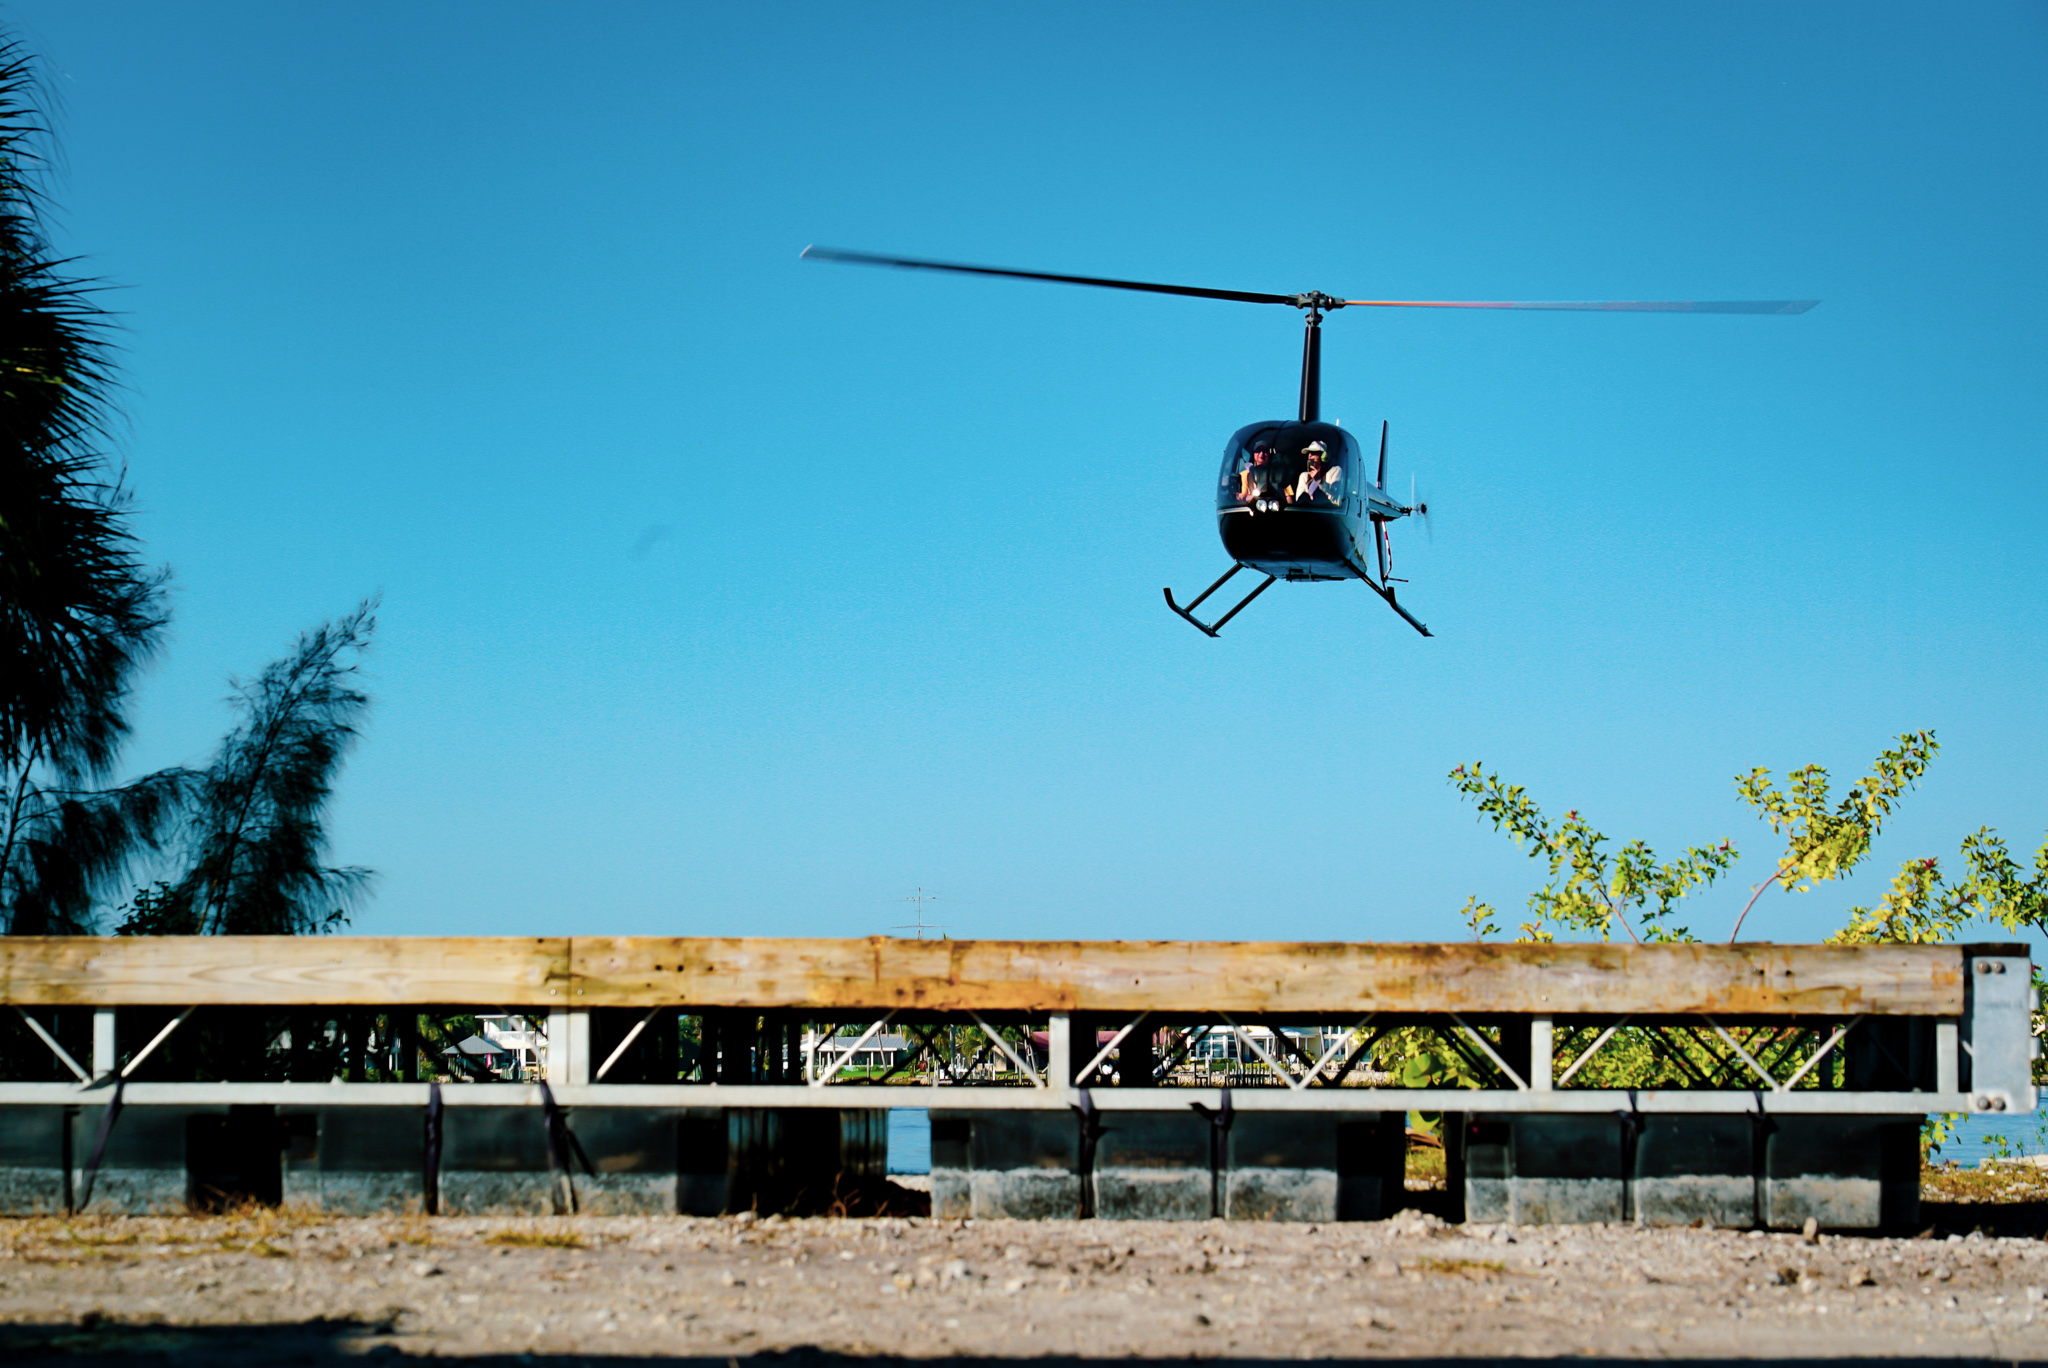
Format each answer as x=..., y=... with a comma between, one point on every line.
x=1184, y=976
x=988, y=976
x=312, y=971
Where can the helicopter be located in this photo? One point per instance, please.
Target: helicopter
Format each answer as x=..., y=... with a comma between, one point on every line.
x=1292, y=502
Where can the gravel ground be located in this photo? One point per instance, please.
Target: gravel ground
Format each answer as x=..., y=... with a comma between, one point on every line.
x=278, y=1288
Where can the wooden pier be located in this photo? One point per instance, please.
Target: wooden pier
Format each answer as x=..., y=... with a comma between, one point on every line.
x=700, y=1057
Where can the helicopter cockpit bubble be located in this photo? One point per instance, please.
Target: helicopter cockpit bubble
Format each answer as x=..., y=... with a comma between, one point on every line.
x=1272, y=466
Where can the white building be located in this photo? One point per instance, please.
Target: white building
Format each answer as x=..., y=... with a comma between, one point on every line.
x=523, y=1039
x=876, y=1052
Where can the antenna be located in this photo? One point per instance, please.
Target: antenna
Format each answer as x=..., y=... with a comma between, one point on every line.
x=919, y=898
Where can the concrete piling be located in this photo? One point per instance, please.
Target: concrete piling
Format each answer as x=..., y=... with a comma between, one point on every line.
x=35, y=1150
x=1727, y=1170
x=1730, y=1170
x=167, y=1160
x=1167, y=1165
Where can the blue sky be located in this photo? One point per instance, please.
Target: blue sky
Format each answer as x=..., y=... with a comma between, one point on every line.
x=727, y=593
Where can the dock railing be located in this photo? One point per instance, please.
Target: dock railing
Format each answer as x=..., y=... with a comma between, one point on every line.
x=1048, y=1025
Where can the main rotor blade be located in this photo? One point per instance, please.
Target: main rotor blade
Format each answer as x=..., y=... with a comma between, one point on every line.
x=1723, y=306
x=913, y=263
x=1727, y=306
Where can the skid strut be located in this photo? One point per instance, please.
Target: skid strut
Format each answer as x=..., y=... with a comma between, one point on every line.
x=1393, y=603
x=1211, y=629
x=1384, y=587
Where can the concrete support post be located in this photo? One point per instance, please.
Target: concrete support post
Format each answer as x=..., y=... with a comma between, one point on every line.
x=104, y=1061
x=568, y=1048
x=1540, y=1070
x=1059, y=1050
x=1515, y=1037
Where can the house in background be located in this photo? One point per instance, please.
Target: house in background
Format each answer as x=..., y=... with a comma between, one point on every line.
x=876, y=1052
x=510, y=1047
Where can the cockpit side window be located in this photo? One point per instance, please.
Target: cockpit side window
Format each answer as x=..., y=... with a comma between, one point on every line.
x=1254, y=474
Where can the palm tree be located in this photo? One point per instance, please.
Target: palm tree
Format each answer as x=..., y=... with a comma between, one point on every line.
x=79, y=611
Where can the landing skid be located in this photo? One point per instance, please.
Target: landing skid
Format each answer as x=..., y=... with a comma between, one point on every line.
x=1406, y=616
x=1386, y=592
x=1211, y=629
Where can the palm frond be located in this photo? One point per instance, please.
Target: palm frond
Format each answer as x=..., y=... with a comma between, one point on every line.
x=65, y=853
x=79, y=611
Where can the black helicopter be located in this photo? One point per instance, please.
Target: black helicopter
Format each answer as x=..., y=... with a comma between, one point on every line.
x=1292, y=502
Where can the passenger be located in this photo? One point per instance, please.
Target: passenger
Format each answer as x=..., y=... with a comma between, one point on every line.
x=1311, y=481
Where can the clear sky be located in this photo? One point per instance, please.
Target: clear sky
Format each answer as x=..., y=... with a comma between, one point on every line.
x=726, y=593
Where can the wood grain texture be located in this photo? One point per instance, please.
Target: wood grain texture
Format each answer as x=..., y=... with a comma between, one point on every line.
x=990, y=976
x=283, y=970
x=1181, y=976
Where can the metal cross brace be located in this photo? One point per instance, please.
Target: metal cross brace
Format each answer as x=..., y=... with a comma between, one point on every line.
x=1316, y=1066
x=1760, y=1070
x=926, y=1036
x=1477, y=1039
x=847, y=1057
x=1820, y=1054
x=1780, y=1045
x=625, y=1044
x=1106, y=1051
x=1717, y=1072
x=1008, y=1053
x=1261, y=1051
x=1590, y=1051
x=1188, y=1041
x=1456, y=1045
x=63, y=1055
x=1362, y=1052
x=159, y=1038
x=1279, y=1068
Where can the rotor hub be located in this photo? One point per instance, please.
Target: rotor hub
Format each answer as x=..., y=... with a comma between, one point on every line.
x=1317, y=302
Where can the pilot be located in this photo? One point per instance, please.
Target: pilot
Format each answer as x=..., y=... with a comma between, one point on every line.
x=1251, y=481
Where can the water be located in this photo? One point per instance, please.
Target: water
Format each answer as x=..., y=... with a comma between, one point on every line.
x=1969, y=1144
x=910, y=1140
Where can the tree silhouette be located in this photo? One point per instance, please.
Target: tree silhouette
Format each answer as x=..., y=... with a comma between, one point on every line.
x=256, y=835
x=79, y=612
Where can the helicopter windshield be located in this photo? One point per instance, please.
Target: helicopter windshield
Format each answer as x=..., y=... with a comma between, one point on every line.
x=1268, y=467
